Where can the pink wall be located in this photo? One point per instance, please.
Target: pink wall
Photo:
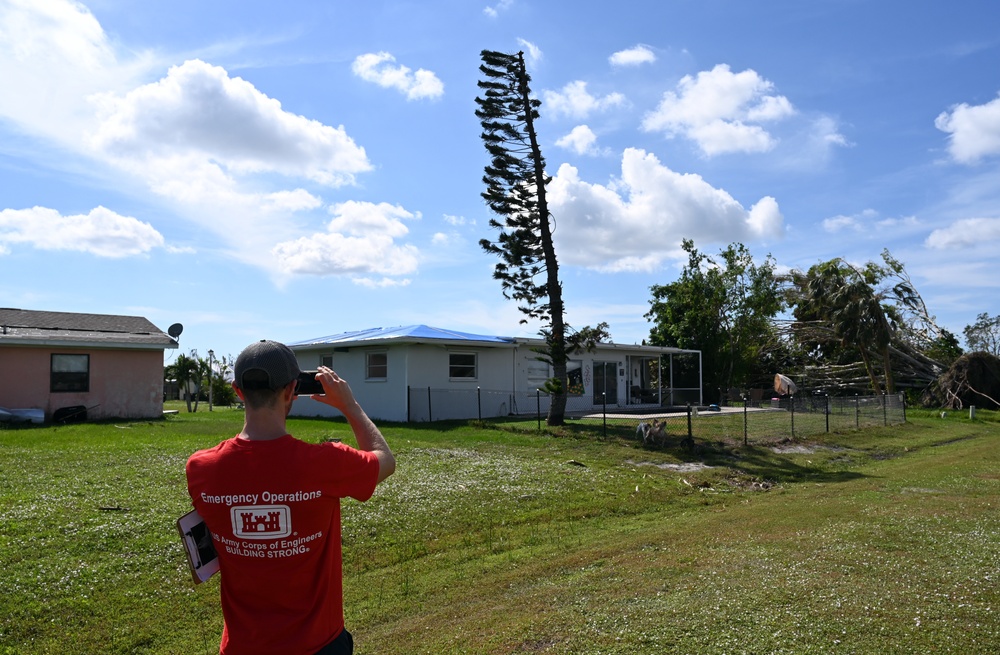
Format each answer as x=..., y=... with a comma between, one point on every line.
x=123, y=383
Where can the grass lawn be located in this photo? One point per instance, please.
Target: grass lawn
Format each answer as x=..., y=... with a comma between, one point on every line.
x=507, y=540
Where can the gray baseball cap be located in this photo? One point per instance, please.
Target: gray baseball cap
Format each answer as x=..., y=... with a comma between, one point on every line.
x=271, y=365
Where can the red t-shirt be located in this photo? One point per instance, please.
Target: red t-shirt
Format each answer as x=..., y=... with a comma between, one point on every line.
x=273, y=508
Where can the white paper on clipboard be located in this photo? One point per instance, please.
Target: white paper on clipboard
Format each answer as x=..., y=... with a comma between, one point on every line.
x=198, y=547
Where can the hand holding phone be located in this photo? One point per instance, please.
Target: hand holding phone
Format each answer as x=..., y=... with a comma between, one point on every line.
x=308, y=384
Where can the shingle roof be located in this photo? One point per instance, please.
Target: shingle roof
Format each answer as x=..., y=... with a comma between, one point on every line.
x=403, y=334
x=27, y=327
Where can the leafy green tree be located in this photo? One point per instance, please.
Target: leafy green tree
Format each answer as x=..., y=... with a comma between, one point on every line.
x=725, y=309
x=945, y=348
x=515, y=181
x=222, y=387
x=984, y=334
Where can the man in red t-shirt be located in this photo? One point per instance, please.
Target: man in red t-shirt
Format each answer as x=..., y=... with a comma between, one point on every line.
x=272, y=503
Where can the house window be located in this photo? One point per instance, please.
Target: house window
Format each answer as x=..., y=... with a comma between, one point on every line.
x=376, y=366
x=326, y=360
x=70, y=373
x=462, y=366
x=538, y=374
x=574, y=375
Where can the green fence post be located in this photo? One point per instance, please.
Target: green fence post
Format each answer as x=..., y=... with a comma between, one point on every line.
x=479, y=402
x=745, y=401
x=538, y=407
x=885, y=408
x=857, y=412
x=690, y=431
x=430, y=414
x=827, y=412
x=604, y=399
x=791, y=406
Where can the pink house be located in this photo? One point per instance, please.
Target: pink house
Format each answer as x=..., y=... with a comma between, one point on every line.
x=59, y=362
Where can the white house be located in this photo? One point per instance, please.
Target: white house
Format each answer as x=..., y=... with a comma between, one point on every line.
x=421, y=373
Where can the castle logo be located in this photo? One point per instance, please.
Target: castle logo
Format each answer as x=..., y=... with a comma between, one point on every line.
x=261, y=521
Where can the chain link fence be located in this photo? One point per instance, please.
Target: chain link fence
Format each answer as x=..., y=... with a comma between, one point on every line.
x=745, y=420
x=768, y=421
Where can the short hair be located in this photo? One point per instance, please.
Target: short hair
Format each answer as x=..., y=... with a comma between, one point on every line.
x=259, y=396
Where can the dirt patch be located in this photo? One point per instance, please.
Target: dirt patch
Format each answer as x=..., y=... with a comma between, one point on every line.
x=798, y=449
x=683, y=467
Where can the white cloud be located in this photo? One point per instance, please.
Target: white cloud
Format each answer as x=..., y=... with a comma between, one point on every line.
x=534, y=52
x=580, y=140
x=636, y=56
x=360, y=240
x=870, y=223
x=575, y=101
x=974, y=130
x=380, y=69
x=494, y=11
x=965, y=233
x=719, y=110
x=854, y=223
x=101, y=232
x=381, y=283
x=197, y=110
x=639, y=221
x=53, y=55
x=456, y=220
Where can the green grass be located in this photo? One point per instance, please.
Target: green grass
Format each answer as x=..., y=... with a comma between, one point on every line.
x=500, y=539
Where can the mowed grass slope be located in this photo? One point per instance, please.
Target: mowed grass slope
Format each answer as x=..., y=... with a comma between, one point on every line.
x=509, y=541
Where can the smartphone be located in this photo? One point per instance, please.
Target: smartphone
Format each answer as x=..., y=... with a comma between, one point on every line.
x=308, y=384
x=201, y=556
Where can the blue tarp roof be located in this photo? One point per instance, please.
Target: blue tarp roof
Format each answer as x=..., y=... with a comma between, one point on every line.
x=406, y=333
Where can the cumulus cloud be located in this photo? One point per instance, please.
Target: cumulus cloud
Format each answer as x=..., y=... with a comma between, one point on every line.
x=215, y=150
x=198, y=110
x=639, y=221
x=360, y=241
x=100, y=232
x=380, y=68
x=53, y=55
x=636, y=56
x=575, y=101
x=721, y=111
x=966, y=233
x=580, y=140
x=974, y=131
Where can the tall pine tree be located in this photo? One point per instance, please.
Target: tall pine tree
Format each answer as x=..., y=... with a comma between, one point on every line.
x=515, y=191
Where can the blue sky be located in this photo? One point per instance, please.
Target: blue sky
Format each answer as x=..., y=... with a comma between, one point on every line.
x=291, y=170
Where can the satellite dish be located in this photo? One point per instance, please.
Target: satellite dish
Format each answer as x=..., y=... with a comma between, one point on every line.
x=175, y=330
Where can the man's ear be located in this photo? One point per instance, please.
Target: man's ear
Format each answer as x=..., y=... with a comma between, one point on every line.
x=290, y=390
x=239, y=392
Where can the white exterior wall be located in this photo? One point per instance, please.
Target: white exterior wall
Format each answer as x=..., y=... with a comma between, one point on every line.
x=418, y=387
x=381, y=399
x=436, y=396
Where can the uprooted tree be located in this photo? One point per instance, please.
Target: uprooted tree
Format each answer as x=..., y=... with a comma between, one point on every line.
x=974, y=379
x=845, y=313
x=515, y=181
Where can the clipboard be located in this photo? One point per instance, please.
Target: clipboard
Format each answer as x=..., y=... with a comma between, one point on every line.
x=198, y=547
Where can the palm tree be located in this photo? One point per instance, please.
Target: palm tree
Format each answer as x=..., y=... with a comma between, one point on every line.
x=186, y=370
